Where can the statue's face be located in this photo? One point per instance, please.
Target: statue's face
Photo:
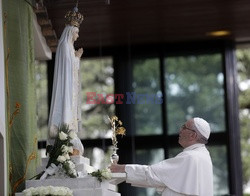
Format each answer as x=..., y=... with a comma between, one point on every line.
x=75, y=34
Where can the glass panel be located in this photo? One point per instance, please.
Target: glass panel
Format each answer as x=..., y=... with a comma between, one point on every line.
x=42, y=99
x=194, y=86
x=146, y=85
x=99, y=158
x=97, y=78
x=220, y=167
x=148, y=157
x=174, y=151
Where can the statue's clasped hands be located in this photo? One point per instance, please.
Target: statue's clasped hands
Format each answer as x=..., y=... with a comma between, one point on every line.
x=79, y=52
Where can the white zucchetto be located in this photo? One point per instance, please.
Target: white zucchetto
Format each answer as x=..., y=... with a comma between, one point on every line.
x=202, y=126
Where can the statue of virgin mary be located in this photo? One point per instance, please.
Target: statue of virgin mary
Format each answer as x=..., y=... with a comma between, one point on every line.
x=65, y=104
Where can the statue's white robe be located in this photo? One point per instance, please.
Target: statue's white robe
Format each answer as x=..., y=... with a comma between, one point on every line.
x=65, y=103
x=189, y=173
x=66, y=85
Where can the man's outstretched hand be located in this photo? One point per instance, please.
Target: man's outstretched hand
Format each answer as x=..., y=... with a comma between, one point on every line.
x=117, y=168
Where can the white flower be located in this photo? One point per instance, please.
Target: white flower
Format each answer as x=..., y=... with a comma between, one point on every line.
x=28, y=192
x=73, y=171
x=45, y=191
x=48, y=190
x=66, y=156
x=53, y=190
x=42, y=190
x=35, y=191
x=72, y=134
x=61, y=159
x=63, y=136
x=71, y=165
x=67, y=149
x=106, y=173
x=70, y=149
x=64, y=148
x=61, y=191
x=39, y=190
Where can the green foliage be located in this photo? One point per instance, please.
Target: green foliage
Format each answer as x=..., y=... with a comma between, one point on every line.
x=97, y=174
x=104, y=174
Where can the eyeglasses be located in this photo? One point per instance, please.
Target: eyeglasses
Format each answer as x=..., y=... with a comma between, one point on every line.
x=185, y=127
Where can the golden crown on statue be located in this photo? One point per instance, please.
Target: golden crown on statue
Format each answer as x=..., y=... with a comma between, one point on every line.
x=73, y=17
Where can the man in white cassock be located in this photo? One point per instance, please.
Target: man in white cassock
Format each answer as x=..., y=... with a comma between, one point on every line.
x=189, y=173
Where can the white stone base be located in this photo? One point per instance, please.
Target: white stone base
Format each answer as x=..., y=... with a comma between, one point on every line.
x=88, y=192
x=88, y=185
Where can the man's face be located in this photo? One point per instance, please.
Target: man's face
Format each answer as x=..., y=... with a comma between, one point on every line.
x=185, y=134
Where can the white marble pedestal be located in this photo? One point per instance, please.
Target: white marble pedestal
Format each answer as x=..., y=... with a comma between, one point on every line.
x=88, y=185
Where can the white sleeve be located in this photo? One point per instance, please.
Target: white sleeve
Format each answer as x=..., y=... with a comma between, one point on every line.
x=142, y=176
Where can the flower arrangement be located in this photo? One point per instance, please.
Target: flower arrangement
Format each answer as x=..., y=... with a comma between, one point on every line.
x=117, y=129
x=102, y=174
x=60, y=163
x=48, y=190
